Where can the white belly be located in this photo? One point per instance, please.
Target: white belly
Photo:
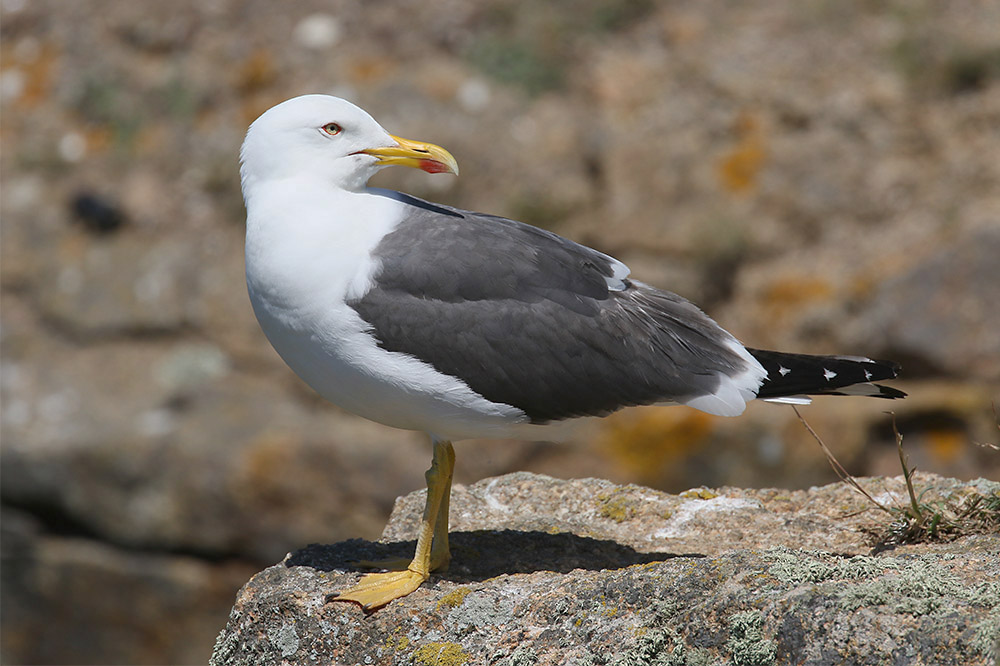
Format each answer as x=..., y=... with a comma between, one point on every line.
x=298, y=278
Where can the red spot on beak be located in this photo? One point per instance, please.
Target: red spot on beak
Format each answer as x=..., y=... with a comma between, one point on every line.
x=433, y=166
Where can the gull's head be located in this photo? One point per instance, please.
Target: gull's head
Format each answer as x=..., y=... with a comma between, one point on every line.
x=330, y=139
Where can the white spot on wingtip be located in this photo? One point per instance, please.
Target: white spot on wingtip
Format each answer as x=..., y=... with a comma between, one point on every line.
x=829, y=374
x=868, y=375
x=783, y=370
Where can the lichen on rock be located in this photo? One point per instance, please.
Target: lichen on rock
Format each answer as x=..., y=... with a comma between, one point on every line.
x=645, y=596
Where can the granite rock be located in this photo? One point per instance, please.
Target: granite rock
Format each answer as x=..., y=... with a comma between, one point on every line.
x=585, y=572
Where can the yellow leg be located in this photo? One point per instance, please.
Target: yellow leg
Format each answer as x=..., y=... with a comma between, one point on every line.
x=440, y=552
x=378, y=589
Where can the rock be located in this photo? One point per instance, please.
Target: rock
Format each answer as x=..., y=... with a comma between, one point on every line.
x=585, y=572
x=174, y=476
x=942, y=313
x=121, y=284
x=61, y=592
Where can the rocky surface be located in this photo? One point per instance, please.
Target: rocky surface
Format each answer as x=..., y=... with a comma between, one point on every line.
x=819, y=177
x=586, y=572
x=62, y=593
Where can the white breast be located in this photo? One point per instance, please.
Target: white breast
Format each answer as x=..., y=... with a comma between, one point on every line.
x=301, y=267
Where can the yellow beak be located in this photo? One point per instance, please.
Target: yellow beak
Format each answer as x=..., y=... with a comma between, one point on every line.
x=424, y=156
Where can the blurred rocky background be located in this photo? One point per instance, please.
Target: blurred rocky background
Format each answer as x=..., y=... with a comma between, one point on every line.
x=820, y=176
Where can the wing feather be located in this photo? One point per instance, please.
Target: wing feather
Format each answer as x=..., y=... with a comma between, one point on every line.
x=531, y=319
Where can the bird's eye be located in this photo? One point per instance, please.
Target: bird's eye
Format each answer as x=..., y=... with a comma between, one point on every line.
x=333, y=129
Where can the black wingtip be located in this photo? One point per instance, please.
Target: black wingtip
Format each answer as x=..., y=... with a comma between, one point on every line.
x=889, y=392
x=803, y=374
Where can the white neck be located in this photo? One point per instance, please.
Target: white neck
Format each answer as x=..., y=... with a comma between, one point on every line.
x=306, y=239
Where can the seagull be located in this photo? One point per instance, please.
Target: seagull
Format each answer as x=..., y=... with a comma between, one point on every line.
x=464, y=325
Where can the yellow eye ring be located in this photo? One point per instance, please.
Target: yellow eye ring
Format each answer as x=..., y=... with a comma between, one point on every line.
x=333, y=129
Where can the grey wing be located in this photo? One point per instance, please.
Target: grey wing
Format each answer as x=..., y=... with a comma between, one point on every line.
x=527, y=318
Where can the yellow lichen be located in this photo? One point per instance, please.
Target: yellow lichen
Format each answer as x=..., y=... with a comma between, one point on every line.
x=397, y=642
x=454, y=598
x=615, y=507
x=699, y=493
x=739, y=168
x=789, y=294
x=441, y=654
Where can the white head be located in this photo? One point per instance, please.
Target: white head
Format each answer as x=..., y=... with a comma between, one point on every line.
x=331, y=139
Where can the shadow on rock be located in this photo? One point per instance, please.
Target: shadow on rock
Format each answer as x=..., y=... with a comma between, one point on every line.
x=483, y=554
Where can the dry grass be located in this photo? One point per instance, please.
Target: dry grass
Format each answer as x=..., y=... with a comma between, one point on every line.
x=943, y=518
